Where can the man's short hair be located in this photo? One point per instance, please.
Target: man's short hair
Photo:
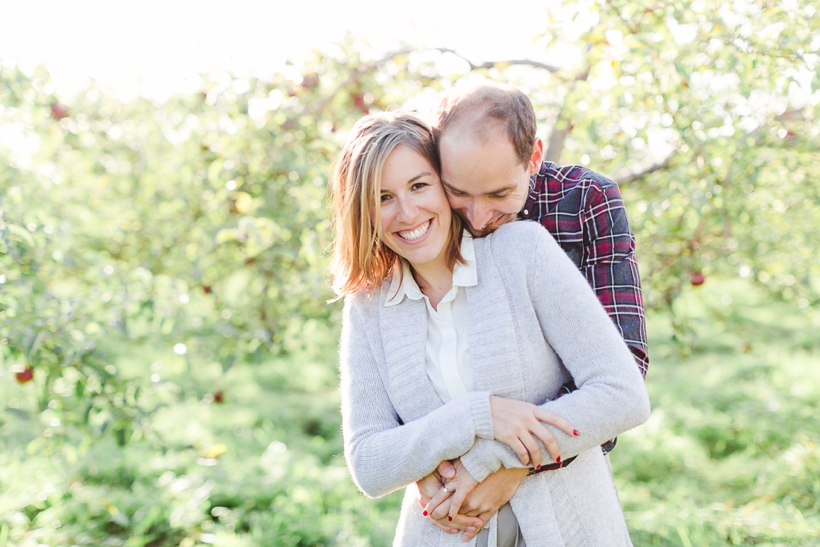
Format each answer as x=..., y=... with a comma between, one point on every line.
x=485, y=105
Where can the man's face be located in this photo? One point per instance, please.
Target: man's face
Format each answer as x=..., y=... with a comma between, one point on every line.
x=484, y=179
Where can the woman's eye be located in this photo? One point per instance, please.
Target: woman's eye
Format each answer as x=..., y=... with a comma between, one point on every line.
x=384, y=198
x=419, y=185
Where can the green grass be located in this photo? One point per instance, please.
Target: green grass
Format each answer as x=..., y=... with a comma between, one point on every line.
x=730, y=455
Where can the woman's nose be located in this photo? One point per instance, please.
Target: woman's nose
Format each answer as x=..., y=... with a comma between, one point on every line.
x=407, y=209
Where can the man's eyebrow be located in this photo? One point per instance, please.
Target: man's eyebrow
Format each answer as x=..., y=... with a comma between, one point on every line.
x=451, y=188
x=503, y=190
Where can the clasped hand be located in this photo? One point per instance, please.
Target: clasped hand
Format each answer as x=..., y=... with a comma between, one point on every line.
x=443, y=493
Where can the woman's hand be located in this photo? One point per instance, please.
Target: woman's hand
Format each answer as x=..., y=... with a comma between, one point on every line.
x=458, y=487
x=518, y=424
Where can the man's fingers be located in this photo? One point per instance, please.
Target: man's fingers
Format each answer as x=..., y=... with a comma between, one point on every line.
x=446, y=470
x=428, y=486
x=468, y=535
x=554, y=419
x=444, y=526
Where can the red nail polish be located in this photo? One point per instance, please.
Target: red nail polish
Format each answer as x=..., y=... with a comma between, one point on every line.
x=575, y=432
x=558, y=459
x=537, y=467
x=425, y=512
x=449, y=518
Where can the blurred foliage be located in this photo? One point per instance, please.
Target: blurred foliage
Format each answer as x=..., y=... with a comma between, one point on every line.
x=199, y=224
x=148, y=249
x=707, y=115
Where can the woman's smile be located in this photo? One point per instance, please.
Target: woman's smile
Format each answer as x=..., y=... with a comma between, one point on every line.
x=412, y=236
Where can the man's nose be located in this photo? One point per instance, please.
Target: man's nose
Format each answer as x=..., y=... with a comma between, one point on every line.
x=479, y=214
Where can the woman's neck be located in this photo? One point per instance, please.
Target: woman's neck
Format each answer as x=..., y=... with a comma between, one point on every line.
x=434, y=279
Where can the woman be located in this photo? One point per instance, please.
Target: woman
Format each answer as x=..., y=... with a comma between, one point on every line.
x=457, y=348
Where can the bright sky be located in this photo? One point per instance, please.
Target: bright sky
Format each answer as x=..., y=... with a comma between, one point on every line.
x=153, y=47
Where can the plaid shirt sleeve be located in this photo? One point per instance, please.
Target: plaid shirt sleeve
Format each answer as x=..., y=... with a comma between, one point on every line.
x=585, y=213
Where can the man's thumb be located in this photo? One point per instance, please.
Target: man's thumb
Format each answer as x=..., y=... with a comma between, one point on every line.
x=446, y=470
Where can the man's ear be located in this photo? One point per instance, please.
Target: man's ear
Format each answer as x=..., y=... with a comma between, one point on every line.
x=536, y=156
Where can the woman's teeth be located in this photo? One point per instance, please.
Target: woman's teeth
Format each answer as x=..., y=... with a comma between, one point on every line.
x=417, y=233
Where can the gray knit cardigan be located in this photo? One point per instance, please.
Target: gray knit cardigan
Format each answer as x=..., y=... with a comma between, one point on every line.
x=535, y=324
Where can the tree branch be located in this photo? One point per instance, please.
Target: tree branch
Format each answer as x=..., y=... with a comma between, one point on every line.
x=629, y=177
x=493, y=64
x=556, y=144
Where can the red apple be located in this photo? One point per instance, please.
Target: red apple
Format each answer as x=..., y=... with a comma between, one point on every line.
x=698, y=278
x=310, y=81
x=358, y=100
x=25, y=376
x=219, y=397
x=58, y=111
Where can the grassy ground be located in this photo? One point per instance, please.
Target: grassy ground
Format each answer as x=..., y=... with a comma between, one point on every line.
x=729, y=457
x=730, y=454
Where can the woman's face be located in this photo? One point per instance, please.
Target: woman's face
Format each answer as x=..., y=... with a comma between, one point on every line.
x=415, y=214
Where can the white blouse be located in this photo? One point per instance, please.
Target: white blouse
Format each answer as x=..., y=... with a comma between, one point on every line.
x=448, y=352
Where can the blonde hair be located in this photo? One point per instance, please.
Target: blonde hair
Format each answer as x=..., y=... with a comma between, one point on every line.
x=360, y=261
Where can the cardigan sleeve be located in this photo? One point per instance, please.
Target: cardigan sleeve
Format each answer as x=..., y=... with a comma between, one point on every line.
x=611, y=396
x=383, y=454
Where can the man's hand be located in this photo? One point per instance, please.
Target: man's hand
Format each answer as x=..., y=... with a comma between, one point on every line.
x=429, y=486
x=488, y=497
x=432, y=483
x=454, y=490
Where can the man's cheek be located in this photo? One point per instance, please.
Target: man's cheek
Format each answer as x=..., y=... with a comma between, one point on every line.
x=459, y=205
x=455, y=202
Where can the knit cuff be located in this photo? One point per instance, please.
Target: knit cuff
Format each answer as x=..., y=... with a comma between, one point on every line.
x=482, y=415
x=480, y=460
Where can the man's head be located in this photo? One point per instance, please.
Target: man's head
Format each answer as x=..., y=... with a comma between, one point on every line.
x=488, y=148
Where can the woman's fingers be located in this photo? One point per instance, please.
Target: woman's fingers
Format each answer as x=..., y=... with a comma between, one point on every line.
x=545, y=436
x=459, y=523
x=519, y=424
x=437, y=505
x=554, y=419
x=520, y=450
x=458, y=498
x=532, y=448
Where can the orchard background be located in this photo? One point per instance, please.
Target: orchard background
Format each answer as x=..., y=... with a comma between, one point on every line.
x=168, y=355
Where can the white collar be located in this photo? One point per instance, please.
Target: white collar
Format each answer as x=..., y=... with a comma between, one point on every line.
x=464, y=275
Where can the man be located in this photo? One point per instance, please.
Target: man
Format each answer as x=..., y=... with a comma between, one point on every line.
x=493, y=173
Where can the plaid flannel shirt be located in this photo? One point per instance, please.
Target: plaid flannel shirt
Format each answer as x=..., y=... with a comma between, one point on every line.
x=585, y=214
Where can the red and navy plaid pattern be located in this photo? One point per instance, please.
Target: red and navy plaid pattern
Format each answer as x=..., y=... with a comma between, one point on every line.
x=585, y=214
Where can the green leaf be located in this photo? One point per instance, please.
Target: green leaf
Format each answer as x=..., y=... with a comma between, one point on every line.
x=20, y=234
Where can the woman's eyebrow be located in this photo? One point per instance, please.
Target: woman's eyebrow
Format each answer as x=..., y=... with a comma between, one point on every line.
x=417, y=177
